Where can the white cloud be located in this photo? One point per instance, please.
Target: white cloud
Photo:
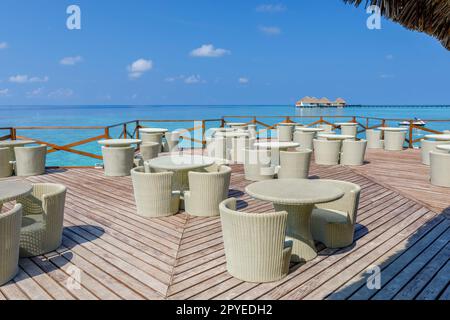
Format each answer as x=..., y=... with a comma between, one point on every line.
x=243, y=80
x=175, y=78
x=208, y=51
x=70, y=61
x=271, y=8
x=3, y=45
x=61, y=93
x=23, y=78
x=4, y=92
x=270, y=31
x=35, y=92
x=194, y=79
x=139, y=67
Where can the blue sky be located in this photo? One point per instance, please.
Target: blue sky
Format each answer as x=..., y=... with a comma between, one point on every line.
x=212, y=52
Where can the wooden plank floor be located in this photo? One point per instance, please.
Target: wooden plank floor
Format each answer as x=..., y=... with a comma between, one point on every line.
x=123, y=256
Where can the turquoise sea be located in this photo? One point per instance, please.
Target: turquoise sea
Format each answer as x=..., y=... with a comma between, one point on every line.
x=19, y=116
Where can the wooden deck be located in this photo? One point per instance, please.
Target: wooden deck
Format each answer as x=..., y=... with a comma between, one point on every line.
x=123, y=256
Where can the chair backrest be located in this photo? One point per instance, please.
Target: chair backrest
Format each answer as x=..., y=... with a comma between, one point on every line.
x=217, y=148
x=284, y=133
x=251, y=240
x=118, y=161
x=151, y=137
x=10, y=223
x=5, y=167
x=257, y=164
x=149, y=150
x=152, y=191
x=372, y=134
x=326, y=127
x=353, y=152
x=30, y=161
x=172, y=141
x=294, y=164
x=305, y=139
x=327, y=152
x=439, y=169
x=348, y=203
x=210, y=185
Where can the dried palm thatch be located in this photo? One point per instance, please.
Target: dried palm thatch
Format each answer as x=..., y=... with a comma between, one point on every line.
x=429, y=16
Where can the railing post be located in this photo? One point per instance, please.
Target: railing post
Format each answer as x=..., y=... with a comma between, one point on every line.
x=107, y=132
x=254, y=120
x=124, y=130
x=222, y=122
x=321, y=119
x=411, y=133
x=367, y=123
x=288, y=119
x=13, y=133
x=138, y=126
x=354, y=119
x=203, y=133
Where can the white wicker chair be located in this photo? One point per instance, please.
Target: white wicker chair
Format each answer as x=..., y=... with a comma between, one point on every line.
x=255, y=246
x=252, y=130
x=349, y=130
x=284, y=133
x=206, y=191
x=217, y=148
x=6, y=168
x=42, y=222
x=118, y=161
x=305, y=139
x=147, y=151
x=153, y=193
x=294, y=164
x=394, y=140
x=172, y=141
x=333, y=223
x=30, y=161
x=326, y=127
x=427, y=146
x=440, y=169
x=327, y=152
x=374, y=140
x=152, y=137
x=9, y=243
x=257, y=165
x=237, y=152
x=353, y=152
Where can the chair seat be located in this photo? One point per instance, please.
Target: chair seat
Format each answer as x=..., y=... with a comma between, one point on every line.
x=32, y=222
x=330, y=216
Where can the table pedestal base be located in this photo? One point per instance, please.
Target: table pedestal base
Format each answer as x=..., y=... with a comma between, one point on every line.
x=299, y=231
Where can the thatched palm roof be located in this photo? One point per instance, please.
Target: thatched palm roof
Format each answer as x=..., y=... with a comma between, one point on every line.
x=429, y=16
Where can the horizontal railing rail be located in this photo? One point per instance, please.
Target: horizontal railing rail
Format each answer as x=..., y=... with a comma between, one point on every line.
x=196, y=134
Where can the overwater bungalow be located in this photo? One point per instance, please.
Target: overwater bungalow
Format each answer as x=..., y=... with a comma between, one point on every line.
x=313, y=102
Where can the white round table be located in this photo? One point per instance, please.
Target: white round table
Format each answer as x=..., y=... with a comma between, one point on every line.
x=153, y=130
x=307, y=129
x=444, y=147
x=276, y=147
x=330, y=136
x=291, y=124
x=11, y=144
x=119, y=142
x=297, y=197
x=392, y=139
x=11, y=190
x=237, y=125
x=180, y=165
x=392, y=129
x=344, y=124
x=438, y=137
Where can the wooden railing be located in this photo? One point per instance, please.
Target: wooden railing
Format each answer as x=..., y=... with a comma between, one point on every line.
x=196, y=134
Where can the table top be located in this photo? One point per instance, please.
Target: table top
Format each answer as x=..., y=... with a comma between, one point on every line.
x=153, y=130
x=346, y=124
x=276, y=144
x=331, y=136
x=307, y=129
x=294, y=191
x=119, y=142
x=180, y=162
x=445, y=147
x=392, y=129
x=236, y=124
x=15, y=143
x=438, y=137
x=232, y=134
x=293, y=124
x=222, y=129
x=11, y=190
